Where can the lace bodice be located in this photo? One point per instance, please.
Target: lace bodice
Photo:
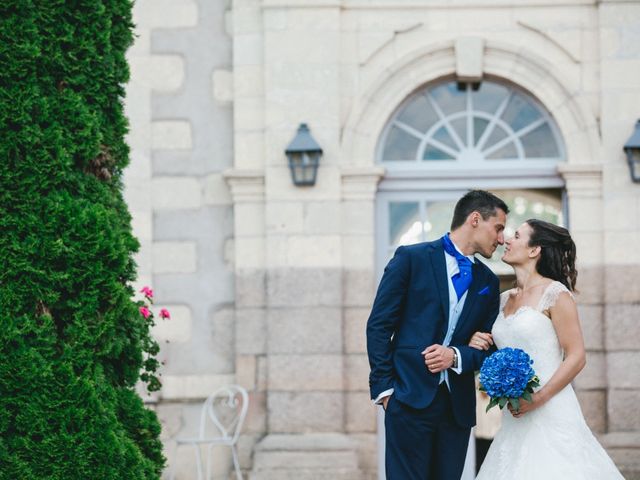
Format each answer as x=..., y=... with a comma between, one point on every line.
x=529, y=329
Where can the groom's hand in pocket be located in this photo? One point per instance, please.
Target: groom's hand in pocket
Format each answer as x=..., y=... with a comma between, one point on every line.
x=438, y=358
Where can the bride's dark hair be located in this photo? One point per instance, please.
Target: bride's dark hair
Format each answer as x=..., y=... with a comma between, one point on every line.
x=558, y=252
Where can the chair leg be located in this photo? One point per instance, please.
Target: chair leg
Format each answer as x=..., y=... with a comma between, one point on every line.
x=199, y=461
x=236, y=463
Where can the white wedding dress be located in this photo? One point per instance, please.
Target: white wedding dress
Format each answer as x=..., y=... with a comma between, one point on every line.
x=552, y=442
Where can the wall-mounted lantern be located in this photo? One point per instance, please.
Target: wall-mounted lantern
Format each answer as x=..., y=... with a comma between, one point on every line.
x=304, y=157
x=632, y=149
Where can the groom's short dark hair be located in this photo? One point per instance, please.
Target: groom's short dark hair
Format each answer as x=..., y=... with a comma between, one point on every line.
x=481, y=201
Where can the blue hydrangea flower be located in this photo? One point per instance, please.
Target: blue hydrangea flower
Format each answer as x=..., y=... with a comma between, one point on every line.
x=506, y=373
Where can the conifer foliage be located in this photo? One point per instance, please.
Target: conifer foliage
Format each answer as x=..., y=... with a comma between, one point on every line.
x=72, y=342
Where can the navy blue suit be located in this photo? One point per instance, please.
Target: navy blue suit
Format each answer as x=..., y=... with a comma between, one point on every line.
x=427, y=425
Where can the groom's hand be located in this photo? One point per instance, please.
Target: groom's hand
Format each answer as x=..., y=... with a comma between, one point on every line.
x=438, y=358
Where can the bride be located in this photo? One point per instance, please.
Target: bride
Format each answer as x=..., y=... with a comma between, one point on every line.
x=547, y=437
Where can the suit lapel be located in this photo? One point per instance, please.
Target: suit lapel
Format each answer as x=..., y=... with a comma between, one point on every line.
x=472, y=295
x=439, y=267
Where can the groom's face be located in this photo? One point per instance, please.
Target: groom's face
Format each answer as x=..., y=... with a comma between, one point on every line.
x=489, y=233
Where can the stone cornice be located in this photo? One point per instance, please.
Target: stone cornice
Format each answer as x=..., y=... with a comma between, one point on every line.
x=247, y=186
x=360, y=183
x=582, y=180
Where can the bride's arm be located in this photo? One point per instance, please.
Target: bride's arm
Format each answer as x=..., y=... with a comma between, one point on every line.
x=564, y=316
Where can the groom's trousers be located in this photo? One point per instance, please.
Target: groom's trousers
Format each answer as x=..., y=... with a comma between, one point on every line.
x=424, y=444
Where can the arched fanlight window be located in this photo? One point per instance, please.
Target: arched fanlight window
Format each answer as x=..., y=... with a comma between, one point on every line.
x=455, y=125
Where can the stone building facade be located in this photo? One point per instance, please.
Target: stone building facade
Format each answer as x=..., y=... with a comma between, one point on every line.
x=270, y=284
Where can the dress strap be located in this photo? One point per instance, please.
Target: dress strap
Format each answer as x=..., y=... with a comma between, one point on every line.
x=504, y=296
x=551, y=294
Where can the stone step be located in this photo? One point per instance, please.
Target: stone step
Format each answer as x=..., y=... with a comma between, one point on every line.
x=317, y=456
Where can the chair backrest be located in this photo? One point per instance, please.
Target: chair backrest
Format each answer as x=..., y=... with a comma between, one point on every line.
x=226, y=408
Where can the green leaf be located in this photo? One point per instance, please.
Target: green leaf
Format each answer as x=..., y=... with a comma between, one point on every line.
x=527, y=396
x=492, y=403
x=502, y=402
x=515, y=403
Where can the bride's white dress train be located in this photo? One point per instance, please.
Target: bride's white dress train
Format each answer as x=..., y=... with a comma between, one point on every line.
x=552, y=442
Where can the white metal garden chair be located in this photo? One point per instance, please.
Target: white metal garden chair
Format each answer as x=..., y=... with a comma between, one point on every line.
x=221, y=420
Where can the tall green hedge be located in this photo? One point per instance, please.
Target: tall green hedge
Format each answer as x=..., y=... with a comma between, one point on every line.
x=72, y=343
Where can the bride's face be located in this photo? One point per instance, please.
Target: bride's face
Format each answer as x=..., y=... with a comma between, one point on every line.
x=517, y=249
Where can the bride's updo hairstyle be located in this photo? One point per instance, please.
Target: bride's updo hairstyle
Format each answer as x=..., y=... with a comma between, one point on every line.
x=558, y=252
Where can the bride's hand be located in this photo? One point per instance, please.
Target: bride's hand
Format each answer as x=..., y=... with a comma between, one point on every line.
x=525, y=406
x=481, y=341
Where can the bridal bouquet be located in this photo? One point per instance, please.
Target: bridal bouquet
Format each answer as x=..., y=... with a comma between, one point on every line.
x=507, y=376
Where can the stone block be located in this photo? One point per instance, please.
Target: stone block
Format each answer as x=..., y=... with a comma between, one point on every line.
x=250, y=288
x=594, y=408
x=190, y=387
x=248, y=81
x=357, y=372
x=246, y=370
x=594, y=374
x=251, y=331
x=469, y=58
x=306, y=287
x=358, y=252
x=303, y=330
x=361, y=415
x=622, y=285
x=358, y=288
x=249, y=252
x=322, y=218
x=162, y=73
x=623, y=369
x=171, y=135
x=248, y=49
x=175, y=193
x=174, y=257
x=246, y=445
x=622, y=326
x=367, y=448
x=358, y=218
x=222, y=86
x=300, y=412
x=355, y=325
x=314, y=251
x=249, y=219
x=248, y=112
x=623, y=410
x=256, y=420
x=305, y=373
x=620, y=73
x=215, y=191
x=311, y=456
x=592, y=323
x=176, y=329
x=284, y=217
x=263, y=374
x=165, y=13
x=591, y=284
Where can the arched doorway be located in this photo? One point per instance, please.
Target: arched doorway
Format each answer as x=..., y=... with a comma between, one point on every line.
x=448, y=137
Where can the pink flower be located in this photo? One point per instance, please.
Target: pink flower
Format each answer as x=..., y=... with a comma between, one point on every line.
x=144, y=311
x=147, y=292
x=164, y=313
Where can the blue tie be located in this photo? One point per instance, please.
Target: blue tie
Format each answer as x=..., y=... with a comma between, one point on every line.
x=462, y=279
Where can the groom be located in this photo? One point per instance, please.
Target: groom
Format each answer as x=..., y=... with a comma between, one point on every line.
x=432, y=297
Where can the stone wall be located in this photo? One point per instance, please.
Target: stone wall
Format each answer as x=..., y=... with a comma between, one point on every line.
x=271, y=284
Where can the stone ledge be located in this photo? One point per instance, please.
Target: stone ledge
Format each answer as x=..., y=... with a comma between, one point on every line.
x=307, y=441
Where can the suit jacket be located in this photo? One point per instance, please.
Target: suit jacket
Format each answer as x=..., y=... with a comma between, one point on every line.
x=410, y=313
